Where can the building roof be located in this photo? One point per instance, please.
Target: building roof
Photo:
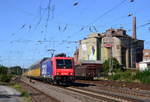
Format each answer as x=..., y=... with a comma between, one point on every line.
x=146, y=50
x=92, y=35
x=112, y=33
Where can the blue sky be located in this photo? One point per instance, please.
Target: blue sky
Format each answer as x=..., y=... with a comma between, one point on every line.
x=29, y=28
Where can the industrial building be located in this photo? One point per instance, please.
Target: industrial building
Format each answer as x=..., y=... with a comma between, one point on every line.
x=145, y=64
x=146, y=55
x=112, y=43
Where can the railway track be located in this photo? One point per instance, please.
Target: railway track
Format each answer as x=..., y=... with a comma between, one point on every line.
x=132, y=93
x=94, y=93
x=36, y=94
x=106, y=98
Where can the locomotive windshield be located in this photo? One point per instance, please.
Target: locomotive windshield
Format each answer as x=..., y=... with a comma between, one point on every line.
x=64, y=64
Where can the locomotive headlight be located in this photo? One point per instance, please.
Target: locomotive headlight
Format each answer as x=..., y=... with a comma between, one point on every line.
x=57, y=73
x=71, y=73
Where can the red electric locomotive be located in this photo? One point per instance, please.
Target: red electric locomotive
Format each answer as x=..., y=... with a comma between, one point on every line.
x=58, y=69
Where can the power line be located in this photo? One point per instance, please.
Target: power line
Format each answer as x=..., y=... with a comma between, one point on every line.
x=143, y=25
x=108, y=11
x=140, y=26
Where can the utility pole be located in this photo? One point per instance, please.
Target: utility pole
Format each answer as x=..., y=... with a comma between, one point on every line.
x=110, y=61
x=110, y=57
x=134, y=37
x=134, y=27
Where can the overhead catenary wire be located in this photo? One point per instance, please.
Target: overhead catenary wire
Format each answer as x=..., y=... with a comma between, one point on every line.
x=107, y=12
x=140, y=26
x=48, y=13
x=41, y=14
x=82, y=27
x=143, y=25
x=67, y=24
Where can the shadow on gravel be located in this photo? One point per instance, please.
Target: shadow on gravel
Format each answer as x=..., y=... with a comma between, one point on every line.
x=76, y=84
x=82, y=84
x=5, y=96
x=34, y=94
x=9, y=96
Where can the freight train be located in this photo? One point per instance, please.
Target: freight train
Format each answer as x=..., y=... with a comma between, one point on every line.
x=58, y=69
x=88, y=69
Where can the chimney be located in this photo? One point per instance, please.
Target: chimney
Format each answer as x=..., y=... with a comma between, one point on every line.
x=134, y=27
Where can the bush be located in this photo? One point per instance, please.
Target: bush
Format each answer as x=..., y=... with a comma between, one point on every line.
x=132, y=76
x=143, y=76
x=25, y=94
x=106, y=66
x=115, y=77
x=127, y=76
x=115, y=64
x=5, y=78
x=3, y=70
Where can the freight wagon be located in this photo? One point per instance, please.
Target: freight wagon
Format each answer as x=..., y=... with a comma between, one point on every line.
x=87, y=70
x=54, y=70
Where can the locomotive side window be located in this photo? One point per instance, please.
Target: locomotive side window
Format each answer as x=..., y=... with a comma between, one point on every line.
x=64, y=64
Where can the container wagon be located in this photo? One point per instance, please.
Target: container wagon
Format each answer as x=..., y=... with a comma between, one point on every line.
x=87, y=70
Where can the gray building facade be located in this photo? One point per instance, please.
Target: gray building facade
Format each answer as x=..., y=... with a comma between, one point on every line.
x=112, y=43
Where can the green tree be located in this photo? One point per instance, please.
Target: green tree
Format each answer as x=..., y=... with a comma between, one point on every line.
x=115, y=63
x=16, y=70
x=4, y=75
x=3, y=70
x=106, y=66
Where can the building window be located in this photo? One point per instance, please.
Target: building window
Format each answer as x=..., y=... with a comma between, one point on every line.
x=146, y=53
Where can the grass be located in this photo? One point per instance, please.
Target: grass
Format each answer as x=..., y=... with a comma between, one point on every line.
x=24, y=94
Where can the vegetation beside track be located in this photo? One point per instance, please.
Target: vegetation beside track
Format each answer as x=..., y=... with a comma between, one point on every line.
x=132, y=76
x=24, y=94
x=120, y=74
x=8, y=77
x=7, y=73
x=127, y=76
x=4, y=76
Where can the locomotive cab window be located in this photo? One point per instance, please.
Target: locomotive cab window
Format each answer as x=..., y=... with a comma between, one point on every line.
x=64, y=64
